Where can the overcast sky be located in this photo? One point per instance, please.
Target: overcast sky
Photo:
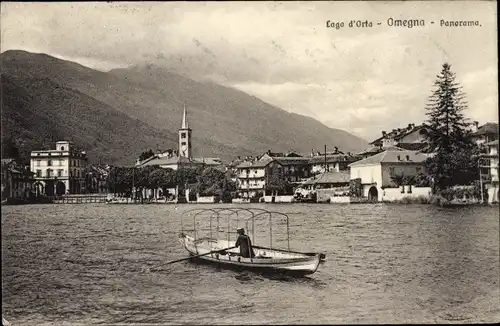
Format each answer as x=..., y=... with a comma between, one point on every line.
x=362, y=80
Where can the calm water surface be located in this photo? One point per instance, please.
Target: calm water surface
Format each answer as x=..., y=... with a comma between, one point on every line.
x=90, y=264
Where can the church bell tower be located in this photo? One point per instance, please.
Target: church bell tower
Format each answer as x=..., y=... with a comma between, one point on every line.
x=185, y=148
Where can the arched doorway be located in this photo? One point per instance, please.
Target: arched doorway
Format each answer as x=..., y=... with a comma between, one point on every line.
x=60, y=188
x=38, y=186
x=373, y=194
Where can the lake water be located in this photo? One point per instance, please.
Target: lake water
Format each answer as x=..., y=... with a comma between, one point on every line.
x=97, y=263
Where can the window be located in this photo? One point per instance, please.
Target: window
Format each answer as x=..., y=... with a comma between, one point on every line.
x=62, y=148
x=183, y=135
x=71, y=173
x=59, y=173
x=38, y=173
x=392, y=172
x=49, y=163
x=38, y=162
x=49, y=173
x=61, y=162
x=183, y=143
x=255, y=171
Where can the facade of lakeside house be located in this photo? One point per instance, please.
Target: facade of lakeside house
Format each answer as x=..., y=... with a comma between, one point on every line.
x=181, y=158
x=17, y=180
x=59, y=171
x=251, y=177
x=376, y=172
x=492, y=163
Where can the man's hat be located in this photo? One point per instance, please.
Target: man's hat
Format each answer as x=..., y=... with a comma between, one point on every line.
x=240, y=230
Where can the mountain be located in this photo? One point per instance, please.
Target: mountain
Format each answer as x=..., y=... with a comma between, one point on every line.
x=36, y=112
x=125, y=111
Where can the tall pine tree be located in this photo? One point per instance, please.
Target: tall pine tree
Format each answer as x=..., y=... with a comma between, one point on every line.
x=454, y=159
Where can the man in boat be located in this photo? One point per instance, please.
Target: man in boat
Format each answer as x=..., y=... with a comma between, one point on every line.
x=245, y=244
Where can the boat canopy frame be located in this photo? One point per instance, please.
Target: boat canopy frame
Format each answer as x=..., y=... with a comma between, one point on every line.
x=230, y=212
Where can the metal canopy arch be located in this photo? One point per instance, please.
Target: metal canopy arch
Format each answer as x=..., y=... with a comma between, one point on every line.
x=253, y=212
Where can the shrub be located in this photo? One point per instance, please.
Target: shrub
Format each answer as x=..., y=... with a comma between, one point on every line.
x=438, y=200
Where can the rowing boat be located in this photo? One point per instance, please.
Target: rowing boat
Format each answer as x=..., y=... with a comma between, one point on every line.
x=212, y=248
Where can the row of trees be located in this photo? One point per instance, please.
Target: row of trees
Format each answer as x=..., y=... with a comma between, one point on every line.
x=206, y=182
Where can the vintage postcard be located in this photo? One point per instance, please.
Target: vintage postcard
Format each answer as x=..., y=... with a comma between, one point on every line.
x=306, y=162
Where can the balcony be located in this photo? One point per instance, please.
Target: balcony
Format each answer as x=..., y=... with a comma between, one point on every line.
x=251, y=187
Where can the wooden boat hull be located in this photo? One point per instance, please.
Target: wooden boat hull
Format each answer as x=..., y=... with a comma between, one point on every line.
x=265, y=260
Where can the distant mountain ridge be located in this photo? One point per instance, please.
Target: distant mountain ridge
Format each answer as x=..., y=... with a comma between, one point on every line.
x=116, y=115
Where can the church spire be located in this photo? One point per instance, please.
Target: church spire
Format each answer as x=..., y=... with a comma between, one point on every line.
x=185, y=124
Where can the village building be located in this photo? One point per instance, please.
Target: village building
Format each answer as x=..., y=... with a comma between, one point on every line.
x=328, y=180
x=59, y=171
x=251, y=177
x=323, y=186
x=410, y=138
x=17, y=180
x=334, y=162
x=376, y=172
x=492, y=162
x=181, y=158
x=485, y=134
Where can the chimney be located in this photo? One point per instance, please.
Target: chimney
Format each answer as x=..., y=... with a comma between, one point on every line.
x=384, y=133
x=239, y=157
x=476, y=125
x=409, y=126
x=336, y=149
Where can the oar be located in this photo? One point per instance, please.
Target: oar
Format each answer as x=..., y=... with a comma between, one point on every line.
x=190, y=257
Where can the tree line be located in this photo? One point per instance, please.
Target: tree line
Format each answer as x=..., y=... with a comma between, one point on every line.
x=203, y=181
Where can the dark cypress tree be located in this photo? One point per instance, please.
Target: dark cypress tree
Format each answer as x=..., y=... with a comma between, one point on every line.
x=449, y=134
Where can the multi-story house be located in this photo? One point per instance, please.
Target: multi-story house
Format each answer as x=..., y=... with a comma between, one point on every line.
x=376, y=172
x=485, y=134
x=16, y=179
x=251, y=177
x=59, y=171
x=491, y=162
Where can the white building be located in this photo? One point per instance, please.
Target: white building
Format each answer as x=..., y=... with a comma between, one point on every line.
x=376, y=172
x=493, y=185
x=251, y=177
x=59, y=171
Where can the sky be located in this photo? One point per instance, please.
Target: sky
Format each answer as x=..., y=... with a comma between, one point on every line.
x=362, y=80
